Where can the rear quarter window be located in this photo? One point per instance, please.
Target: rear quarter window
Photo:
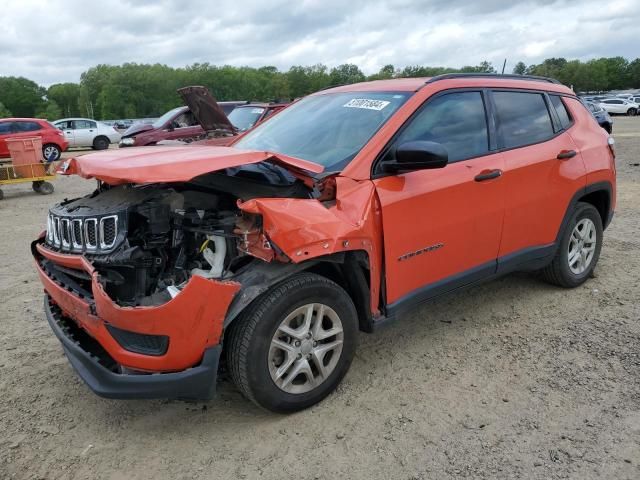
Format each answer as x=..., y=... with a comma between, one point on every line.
x=523, y=118
x=561, y=110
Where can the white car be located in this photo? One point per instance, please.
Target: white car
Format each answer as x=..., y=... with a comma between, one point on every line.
x=84, y=132
x=619, y=105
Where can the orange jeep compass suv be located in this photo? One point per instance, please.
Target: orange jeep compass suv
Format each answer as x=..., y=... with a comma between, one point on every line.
x=338, y=214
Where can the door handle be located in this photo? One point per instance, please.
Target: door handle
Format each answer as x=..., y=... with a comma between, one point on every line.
x=566, y=154
x=488, y=175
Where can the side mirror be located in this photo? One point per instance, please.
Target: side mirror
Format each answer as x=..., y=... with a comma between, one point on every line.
x=418, y=155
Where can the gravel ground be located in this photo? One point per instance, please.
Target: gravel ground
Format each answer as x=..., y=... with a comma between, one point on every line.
x=512, y=379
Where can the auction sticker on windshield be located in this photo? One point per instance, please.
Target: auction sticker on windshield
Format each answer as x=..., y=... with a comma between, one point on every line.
x=366, y=103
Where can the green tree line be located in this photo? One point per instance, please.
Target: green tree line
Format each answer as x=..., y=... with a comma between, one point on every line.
x=136, y=90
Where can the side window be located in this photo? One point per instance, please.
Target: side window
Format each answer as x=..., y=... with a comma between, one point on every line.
x=83, y=124
x=5, y=127
x=523, y=118
x=455, y=120
x=561, y=109
x=26, y=126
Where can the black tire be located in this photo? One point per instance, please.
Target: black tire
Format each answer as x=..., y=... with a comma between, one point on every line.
x=51, y=148
x=43, y=188
x=249, y=339
x=608, y=128
x=632, y=112
x=101, y=143
x=1, y=194
x=558, y=271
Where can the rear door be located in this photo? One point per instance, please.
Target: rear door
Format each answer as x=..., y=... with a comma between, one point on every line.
x=84, y=132
x=543, y=170
x=442, y=227
x=614, y=106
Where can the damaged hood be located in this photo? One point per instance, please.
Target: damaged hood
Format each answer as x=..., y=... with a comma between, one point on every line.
x=205, y=108
x=137, y=128
x=167, y=164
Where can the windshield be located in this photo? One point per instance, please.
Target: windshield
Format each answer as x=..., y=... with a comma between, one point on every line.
x=159, y=123
x=243, y=118
x=328, y=129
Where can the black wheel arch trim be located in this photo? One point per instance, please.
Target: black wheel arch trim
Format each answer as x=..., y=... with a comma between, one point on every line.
x=591, y=188
x=349, y=269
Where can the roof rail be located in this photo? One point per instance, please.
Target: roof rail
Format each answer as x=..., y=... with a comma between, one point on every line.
x=335, y=85
x=512, y=76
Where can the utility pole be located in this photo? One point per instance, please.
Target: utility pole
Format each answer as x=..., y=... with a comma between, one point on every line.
x=503, y=66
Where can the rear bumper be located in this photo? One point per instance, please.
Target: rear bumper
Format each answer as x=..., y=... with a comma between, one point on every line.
x=196, y=383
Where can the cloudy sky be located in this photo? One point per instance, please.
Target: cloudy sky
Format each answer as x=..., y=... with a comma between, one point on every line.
x=53, y=41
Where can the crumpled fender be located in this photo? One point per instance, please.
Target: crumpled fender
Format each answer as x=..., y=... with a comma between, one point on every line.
x=307, y=228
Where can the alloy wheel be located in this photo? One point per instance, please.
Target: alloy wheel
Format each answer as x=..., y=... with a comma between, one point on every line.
x=582, y=246
x=50, y=150
x=305, y=348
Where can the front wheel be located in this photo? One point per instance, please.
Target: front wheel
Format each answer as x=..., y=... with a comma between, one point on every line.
x=51, y=152
x=292, y=346
x=632, y=112
x=579, y=249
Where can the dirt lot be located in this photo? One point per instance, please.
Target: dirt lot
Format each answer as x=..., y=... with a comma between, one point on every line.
x=512, y=379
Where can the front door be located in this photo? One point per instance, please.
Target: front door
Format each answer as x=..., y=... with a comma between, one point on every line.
x=183, y=127
x=442, y=227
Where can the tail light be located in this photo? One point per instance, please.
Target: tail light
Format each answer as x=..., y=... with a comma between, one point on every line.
x=612, y=144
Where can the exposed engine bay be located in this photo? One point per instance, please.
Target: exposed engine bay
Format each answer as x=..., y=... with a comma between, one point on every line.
x=146, y=241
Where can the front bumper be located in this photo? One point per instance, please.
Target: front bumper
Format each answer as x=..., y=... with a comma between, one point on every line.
x=197, y=383
x=192, y=322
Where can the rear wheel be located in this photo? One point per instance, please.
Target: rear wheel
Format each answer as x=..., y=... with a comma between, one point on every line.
x=579, y=249
x=101, y=143
x=292, y=346
x=51, y=152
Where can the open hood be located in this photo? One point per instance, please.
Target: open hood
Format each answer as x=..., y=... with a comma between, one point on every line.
x=167, y=164
x=205, y=108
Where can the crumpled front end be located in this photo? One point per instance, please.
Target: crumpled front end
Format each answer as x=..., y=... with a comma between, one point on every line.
x=164, y=351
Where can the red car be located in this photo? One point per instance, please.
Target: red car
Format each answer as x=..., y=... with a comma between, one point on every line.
x=53, y=141
x=344, y=211
x=202, y=118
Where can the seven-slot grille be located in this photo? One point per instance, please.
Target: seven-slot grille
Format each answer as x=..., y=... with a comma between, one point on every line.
x=82, y=234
